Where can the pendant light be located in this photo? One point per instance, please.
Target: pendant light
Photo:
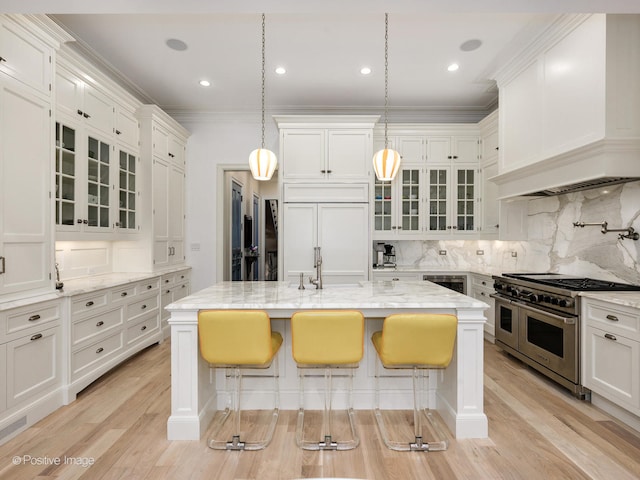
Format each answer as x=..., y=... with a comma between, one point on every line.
x=262, y=162
x=386, y=162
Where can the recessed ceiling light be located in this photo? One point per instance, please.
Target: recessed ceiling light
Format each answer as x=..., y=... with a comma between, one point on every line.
x=365, y=70
x=281, y=70
x=471, y=45
x=175, y=44
x=453, y=67
x=205, y=83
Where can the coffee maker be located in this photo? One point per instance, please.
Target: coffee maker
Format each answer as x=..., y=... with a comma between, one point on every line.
x=389, y=257
x=379, y=251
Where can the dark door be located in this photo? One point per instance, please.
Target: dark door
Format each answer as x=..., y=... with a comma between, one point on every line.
x=236, y=231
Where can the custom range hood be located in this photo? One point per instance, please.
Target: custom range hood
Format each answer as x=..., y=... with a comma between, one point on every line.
x=569, y=116
x=594, y=166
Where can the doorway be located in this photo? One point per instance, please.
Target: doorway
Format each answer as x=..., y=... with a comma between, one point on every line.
x=236, y=231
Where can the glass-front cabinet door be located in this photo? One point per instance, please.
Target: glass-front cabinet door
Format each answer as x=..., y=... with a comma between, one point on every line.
x=465, y=202
x=438, y=200
x=410, y=210
x=127, y=191
x=66, y=176
x=98, y=183
x=383, y=208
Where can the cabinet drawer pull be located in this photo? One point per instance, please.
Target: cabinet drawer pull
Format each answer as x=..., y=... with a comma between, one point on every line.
x=184, y=286
x=124, y=294
x=181, y=277
x=609, y=336
x=3, y=59
x=100, y=350
x=118, y=132
x=482, y=293
x=33, y=318
x=89, y=304
x=37, y=336
x=79, y=112
x=100, y=323
x=484, y=283
x=143, y=307
x=167, y=291
x=166, y=281
x=86, y=115
x=149, y=287
x=144, y=327
x=613, y=318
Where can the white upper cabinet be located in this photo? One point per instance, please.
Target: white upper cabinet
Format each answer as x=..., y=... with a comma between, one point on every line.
x=25, y=57
x=329, y=148
x=127, y=129
x=456, y=149
x=89, y=104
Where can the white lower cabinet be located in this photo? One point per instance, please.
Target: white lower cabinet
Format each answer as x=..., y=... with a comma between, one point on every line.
x=481, y=289
x=611, y=353
x=31, y=365
x=173, y=286
x=108, y=326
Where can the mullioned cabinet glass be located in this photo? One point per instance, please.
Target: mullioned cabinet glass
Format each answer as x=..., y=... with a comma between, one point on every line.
x=98, y=183
x=127, y=191
x=66, y=164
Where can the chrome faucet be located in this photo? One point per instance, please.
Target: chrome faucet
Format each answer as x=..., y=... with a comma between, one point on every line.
x=317, y=264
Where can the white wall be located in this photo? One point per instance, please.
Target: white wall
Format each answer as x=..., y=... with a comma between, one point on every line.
x=215, y=140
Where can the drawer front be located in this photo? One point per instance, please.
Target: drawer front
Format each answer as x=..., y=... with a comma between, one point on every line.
x=136, y=309
x=33, y=365
x=123, y=293
x=96, y=325
x=181, y=290
x=148, y=286
x=612, y=318
x=183, y=276
x=34, y=315
x=96, y=353
x=143, y=329
x=482, y=281
x=395, y=276
x=168, y=279
x=89, y=303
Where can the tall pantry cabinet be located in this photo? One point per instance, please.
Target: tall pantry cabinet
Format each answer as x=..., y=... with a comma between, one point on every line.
x=325, y=167
x=27, y=56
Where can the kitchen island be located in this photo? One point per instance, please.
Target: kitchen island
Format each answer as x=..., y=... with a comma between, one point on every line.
x=457, y=391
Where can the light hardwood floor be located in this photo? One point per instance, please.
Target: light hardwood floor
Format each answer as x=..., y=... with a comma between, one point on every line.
x=536, y=431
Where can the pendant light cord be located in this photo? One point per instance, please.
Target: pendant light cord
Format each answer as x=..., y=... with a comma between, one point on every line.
x=263, y=70
x=386, y=76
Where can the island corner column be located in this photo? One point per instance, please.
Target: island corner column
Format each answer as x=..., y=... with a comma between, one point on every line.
x=191, y=389
x=460, y=391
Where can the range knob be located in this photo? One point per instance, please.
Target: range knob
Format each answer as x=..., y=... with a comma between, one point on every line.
x=554, y=301
x=546, y=298
x=565, y=303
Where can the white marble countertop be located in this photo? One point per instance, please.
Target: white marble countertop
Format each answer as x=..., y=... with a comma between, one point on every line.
x=380, y=295
x=81, y=285
x=628, y=299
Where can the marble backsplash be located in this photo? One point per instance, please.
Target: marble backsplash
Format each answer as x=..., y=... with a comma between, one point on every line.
x=553, y=243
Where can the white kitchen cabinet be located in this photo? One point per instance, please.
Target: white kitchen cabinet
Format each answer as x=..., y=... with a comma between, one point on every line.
x=395, y=276
x=398, y=204
x=86, y=167
x=163, y=143
x=26, y=57
x=451, y=197
x=611, y=353
x=109, y=325
x=173, y=286
x=127, y=128
x=127, y=191
x=482, y=289
x=89, y=105
x=31, y=365
x=455, y=149
x=25, y=174
x=412, y=148
x=341, y=230
x=488, y=203
x=325, y=154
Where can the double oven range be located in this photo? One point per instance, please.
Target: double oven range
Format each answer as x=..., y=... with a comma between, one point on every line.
x=538, y=321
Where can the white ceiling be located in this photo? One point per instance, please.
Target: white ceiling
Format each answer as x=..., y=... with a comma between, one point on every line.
x=322, y=44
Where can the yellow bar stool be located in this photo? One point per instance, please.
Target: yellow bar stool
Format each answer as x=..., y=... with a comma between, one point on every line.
x=327, y=339
x=239, y=339
x=419, y=342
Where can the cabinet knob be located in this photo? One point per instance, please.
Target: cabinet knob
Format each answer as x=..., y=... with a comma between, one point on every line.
x=79, y=112
x=33, y=318
x=144, y=327
x=329, y=171
x=149, y=287
x=37, y=336
x=124, y=294
x=118, y=132
x=143, y=307
x=100, y=323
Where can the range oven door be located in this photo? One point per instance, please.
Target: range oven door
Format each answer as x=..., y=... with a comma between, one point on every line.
x=506, y=322
x=551, y=340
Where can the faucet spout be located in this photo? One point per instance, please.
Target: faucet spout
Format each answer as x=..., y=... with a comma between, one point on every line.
x=317, y=264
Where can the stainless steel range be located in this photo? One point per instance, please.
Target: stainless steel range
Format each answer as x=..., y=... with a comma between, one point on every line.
x=537, y=321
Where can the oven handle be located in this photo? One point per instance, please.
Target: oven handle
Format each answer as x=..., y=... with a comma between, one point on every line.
x=565, y=320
